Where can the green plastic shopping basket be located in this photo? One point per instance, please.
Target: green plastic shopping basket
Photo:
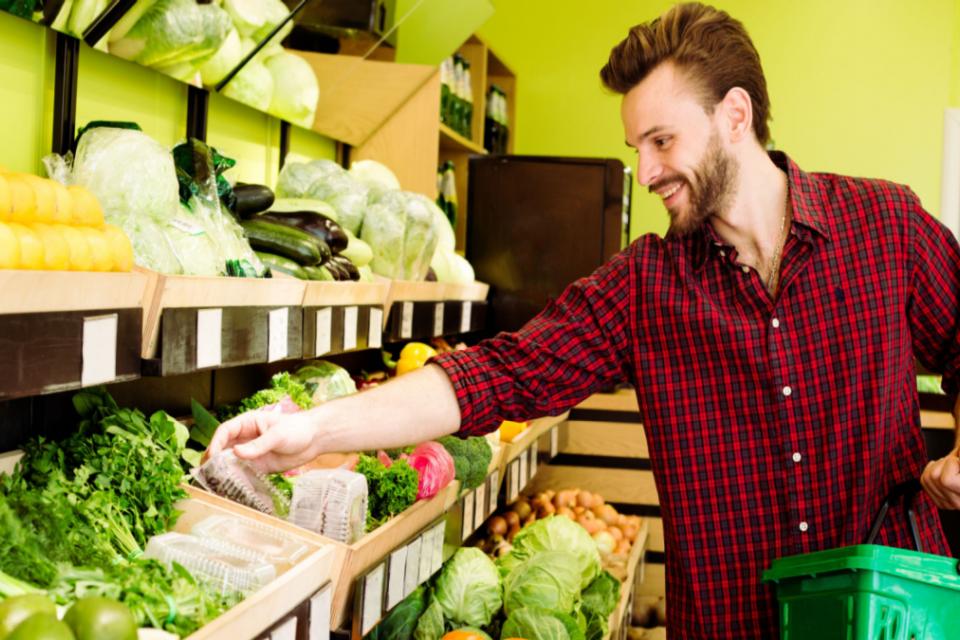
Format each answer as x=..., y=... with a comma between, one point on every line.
x=868, y=591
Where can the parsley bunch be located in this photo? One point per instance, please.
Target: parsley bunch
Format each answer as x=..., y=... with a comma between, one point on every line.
x=390, y=490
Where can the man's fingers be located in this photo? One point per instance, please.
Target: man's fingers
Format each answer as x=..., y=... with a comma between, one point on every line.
x=242, y=428
x=931, y=483
x=260, y=446
x=950, y=481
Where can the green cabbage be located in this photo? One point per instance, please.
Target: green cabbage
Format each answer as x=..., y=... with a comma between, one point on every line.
x=430, y=626
x=468, y=588
x=531, y=623
x=558, y=533
x=227, y=57
x=549, y=580
x=326, y=180
x=325, y=381
x=171, y=32
x=602, y=595
x=295, y=89
x=400, y=230
x=253, y=86
x=377, y=177
x=297, y=178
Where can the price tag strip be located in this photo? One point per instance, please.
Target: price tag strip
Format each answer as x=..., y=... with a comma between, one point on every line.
x=286, y=631
x=375, y=331
x=466, y=519
x=324, y=340
x=439, y=530
x=99, y=349
x=372, y=600
x=524, y=470
x=426, y=557
x=411, y=578
x=350, y=328
x=277, y=347
x=466, y=316
x=554, y=441
x=513, y=481
x=438, y=319
x=533, y=460
x=396, y=572
x=209, y=343
x=480, y=506
x=493, y=489
x=320, y=605
x=406, y=320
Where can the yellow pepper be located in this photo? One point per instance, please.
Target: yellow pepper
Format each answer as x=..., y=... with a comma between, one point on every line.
x=413, y=356
x=510, y=429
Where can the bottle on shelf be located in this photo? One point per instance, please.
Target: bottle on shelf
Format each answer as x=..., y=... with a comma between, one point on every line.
x=491, y=125
x=468, y=102
x=504, y=122
x=446, y=89
x=448, y=191
x=457, y=108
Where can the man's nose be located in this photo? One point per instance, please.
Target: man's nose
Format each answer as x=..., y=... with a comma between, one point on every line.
x=649, y=169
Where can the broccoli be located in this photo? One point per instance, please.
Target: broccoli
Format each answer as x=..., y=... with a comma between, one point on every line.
x=471, y=457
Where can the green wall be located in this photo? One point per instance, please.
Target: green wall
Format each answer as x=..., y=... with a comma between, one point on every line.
x=23, y=78
x=857, y=86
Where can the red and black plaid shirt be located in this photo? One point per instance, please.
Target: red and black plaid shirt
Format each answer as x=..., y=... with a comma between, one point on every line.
x=776, y=426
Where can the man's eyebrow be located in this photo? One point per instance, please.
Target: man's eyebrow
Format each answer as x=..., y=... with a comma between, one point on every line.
x=652, y=130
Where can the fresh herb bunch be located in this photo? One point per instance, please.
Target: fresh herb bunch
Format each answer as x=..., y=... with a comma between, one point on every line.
x=390, y=490
x=281, y=385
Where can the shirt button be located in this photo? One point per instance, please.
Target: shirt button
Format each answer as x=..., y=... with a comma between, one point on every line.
x=776, y=323
x=797, y=457
x=804, y=526
x=745, y=269
x=787, y=391
x=723, y=254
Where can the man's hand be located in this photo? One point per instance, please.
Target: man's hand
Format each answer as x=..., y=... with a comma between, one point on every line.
x=273, y=441
x=941, y=480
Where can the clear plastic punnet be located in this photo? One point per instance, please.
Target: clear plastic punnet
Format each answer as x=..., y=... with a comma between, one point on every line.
x=270, y=543
x=334, y=498
x=229, y=567
x=226, y=475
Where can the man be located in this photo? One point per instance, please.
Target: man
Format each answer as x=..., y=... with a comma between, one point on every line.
x=770, y=336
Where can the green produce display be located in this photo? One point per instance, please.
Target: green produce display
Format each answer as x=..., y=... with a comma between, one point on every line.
x=468, y=588
x=321, y=227
x=390, y=490
x=401, y=230
x=401, y=622
x=171, y=32
x=471, y=457
x=549, y=580
x=41, y=626
x=556, y=533
x=282, y=264
x=283, y=386
x=98, y=618
x=16, y=609
x=286, y=241
x=539, y=624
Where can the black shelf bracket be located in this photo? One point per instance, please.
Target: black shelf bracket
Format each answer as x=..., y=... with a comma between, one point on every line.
x=260, y=45
x=198, y=108
x=284, y=141
x=106, y=21
x=65, y=93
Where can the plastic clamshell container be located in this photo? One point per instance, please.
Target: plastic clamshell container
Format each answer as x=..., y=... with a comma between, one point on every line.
x=224, y=565
x=867, y=592
x=268, y=542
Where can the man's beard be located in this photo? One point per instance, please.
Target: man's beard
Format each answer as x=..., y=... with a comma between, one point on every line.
x=710, y=193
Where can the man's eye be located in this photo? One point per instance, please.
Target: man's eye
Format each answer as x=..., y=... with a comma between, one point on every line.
x=661, y=142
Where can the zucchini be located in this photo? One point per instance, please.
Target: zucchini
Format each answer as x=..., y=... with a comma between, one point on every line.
x=280, y=264
x=288, y=242
x=251, y=199
x=357, y=251
x=317, y=224
x=318, y=273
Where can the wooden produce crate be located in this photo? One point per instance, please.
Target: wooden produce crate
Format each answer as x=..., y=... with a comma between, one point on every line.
x=64, y=330
x=272, y=603
x=621, y=616
x=343, y=316
x=519, y=460
x=184, y=313
x=423, y=310
x=356, y=560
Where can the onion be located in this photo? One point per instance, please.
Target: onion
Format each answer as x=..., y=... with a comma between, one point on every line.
x=629, y=532
x=610, y=515
x=585, y=499
x=616, y=533
x=605, y=542
x=522, y=507
x=547, y=510
x=622, y=548
x=512, y=533
x=598, y=499
x=567, y=512
x=497, y=526
x=579, y=510
x=513, y=520
x=591, y=526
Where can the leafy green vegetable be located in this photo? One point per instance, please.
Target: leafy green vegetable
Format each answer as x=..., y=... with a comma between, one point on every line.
x=402, y=619
x=281, y=385
x=174, y=31
x=204, y=424
x=295, y=88
x=550, y=580
x=430, y=626
x=602, y=595
x=325, y=381
x=597, y=626
x=253, y=86
x=468, y=588
x=557, y=533
x=390, y=490
x=471, y=457
x=531, y=623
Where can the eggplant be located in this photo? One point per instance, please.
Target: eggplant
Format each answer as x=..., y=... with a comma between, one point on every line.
x=348, y=267
x=317, y=224
x=251, y=199
x=337, y=270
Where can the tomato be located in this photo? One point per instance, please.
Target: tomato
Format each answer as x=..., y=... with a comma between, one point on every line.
x=15, y=610
x=41, y=626
x=96, y=618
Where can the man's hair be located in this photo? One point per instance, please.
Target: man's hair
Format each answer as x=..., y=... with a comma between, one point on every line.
x=712, y=49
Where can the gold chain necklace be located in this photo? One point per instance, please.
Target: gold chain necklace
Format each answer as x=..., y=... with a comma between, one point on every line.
x=775, y=264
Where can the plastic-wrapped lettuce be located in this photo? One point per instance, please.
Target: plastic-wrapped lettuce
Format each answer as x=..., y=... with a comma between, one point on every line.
x=297, y=178
x=377, y=177
x=325, y=381
x=171, y=32
x=256, y=18
x=400, y=228
x=326, y=180
x=253, y=86
x=295, y=88
x=227, y=57
x=451, y=267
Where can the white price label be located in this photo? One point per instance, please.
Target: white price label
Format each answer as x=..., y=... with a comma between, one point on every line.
x=514, y=481
x=324, y=340
x=395, y=577
x=480, y=506
x=209, y=331
x=438, y=533
x=320, y=605
x=411, y=577
x=533, y=460
x=286, y=631
x=438, y=319
x=99, y=350
x=372, y=607
x=524, y=470
x=406, y=320
x=466, y=316
x=466, y=521
x=493, y=490
x=277, y=336
x=349, y=328
x=426, y=557
x=554, y=441
x=375, y=332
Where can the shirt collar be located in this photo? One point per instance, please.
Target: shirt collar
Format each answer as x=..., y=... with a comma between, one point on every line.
x=807, y=200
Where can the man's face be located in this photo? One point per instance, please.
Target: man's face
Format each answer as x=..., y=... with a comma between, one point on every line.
x=680, y=153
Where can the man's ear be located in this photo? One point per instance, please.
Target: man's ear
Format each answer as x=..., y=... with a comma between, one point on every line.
x=736, y=114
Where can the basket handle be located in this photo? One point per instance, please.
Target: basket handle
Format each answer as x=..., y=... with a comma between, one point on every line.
x=907, y=490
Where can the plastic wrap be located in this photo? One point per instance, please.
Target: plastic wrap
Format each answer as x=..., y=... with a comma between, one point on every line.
x=400, y=228
x=226, y=475
x=332, y=502
x=325, y=381
x=267, y=541
x=227, y=566
x=327, y=181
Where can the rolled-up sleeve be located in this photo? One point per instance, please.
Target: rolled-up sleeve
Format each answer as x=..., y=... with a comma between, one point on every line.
x=579, y=344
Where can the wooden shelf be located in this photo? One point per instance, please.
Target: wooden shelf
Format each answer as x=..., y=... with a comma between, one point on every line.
x=450, y=140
